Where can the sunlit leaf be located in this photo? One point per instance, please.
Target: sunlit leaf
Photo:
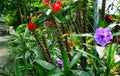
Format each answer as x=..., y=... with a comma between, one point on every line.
x=82, y=35
x=48, y=11
x=75, y=59
x=111, y=26
x=80, y=73
x=111, y=53
x=59, y=19
x=116, y=34
x=100, y=50
x=45, y=64
x=116, y=64
x=88, y=54
x=21, y=27
x=27, y=54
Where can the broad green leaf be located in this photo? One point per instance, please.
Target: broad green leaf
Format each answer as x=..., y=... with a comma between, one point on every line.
x=82, y=35
x=75, y=59
x=59, y=19
x=45, y=64
x=21, y=27
x=100, y=50
x=110, y=56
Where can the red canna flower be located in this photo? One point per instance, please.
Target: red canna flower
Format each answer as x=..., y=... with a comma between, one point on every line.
x=48, y=23
x=70, y=44
x=46, y=4
x=30, y=18
x=35, y=15
x=31, y=26
x=46, y=1
x=57, y=6
x=109, y=17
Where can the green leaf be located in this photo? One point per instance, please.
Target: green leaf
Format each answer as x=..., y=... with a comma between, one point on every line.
x=35, y=20
x=111, y=26
x=101, y=23
x=48, y=11
x=75, y=59
x=27, y=54
x=116, y=64
x=39, y=70
x=82, y=35
x=39, y=5
x=100, y=50
x=59, y=19
x=79, y=73
x=75, y=0
x=110, y=57
x=37, y=53
x=55, y=72
x=88, y=54
x=16, y=67
x=21, y=27
x=116, y=34
x=45, y=64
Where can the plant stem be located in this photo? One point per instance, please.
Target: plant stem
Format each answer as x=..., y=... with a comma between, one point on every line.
x=42, y=48
x=61, y=47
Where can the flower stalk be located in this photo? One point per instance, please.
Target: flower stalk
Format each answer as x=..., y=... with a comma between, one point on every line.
x=61, y=47
x=42, y=47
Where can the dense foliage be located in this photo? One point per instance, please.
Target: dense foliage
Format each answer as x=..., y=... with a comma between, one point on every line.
x=59, y=39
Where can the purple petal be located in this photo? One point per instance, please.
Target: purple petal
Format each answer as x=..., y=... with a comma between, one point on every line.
x=103, y=36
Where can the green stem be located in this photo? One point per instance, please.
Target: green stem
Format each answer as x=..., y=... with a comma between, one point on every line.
x=61, y=47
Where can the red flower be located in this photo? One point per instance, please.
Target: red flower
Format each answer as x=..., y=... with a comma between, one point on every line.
x=109, y=17
x=35, y=15
x=46, y=1
x=70, y=44
x=48, y=23
x=57, y=6
x=46, y=4
x=31, y=26
x=30, y=18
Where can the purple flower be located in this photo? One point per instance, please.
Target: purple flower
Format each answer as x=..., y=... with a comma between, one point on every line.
x=49, y=41
x=103, y=36
x=59, y=64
